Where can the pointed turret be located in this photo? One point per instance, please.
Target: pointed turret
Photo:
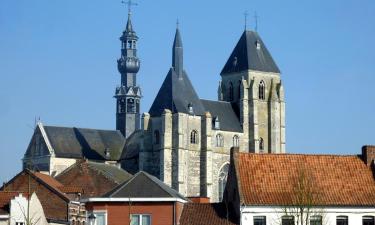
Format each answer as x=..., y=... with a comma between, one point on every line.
x=177, y=52
x=129, y=26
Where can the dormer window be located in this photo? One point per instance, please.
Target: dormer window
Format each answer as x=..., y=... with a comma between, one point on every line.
x=107, y=153
x=257, y=44
x=190, y=108
x=217, y=123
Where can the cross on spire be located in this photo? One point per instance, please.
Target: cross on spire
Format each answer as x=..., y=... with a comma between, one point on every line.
x=130, y=3
x=246, y=14
x=256, y=20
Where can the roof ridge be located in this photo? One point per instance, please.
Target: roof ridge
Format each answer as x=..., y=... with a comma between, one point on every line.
x=83, y=128
x=297, y=154
x=214, y=101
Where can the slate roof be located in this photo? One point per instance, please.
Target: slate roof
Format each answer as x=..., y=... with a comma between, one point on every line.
x=176, y=94
x=93, y=178
x=71, y=142
x=228, y=119
x=144, y=185
x=132, y=145
x=205, y=214
x=246, y=56
x=270, y=179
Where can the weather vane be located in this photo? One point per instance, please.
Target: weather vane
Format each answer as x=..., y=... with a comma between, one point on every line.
x=246, y=14
x=130, y=3
x=256, y=20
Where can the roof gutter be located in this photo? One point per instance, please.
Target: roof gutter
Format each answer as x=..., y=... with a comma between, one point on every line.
x=134, y=200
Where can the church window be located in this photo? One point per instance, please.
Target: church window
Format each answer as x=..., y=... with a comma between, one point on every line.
x=219, y=140
x=262, y=90
x=230, y=91
x=156, y=137
x=130, y=105
x=134, y=45
x=129, y=44
x=239, y=89
x=121, y=106
x=261, y=145
x=223, y=175
x=236, y=141
x=194, y=137
x=137, y=107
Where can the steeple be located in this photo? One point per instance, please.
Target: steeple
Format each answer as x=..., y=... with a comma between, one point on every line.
x=177, y=54
x=128, y=94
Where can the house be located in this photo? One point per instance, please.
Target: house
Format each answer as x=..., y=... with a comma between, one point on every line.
x=60, y=203
x=52, y=149
x=15, y=208
x=94, y=178
x=264, y=189
x=143, y=199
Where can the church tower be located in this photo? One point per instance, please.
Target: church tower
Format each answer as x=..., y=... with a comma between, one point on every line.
x=251, y=82
x=128, y=94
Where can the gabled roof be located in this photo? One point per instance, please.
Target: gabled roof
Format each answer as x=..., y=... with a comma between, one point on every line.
x=144, y=185
x=228, y=119
x=205, y=214
x=176, y=94
x=72, y=142
x=94, y=178
x=271, y=179
x=247, y=56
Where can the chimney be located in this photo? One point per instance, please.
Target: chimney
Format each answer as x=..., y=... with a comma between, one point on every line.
x=368, y=154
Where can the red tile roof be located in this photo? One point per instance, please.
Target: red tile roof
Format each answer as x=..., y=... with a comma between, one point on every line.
x=71, y=189
x=5, y=197
x=271, y=179
x=205, y=214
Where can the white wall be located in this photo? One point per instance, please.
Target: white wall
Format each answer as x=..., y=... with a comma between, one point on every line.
x=18, y=211
x=274, y=214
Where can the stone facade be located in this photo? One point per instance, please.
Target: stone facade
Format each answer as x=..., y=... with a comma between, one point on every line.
x=190, y=151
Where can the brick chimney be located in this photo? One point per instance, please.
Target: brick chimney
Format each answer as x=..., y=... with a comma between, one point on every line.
x=368, y=154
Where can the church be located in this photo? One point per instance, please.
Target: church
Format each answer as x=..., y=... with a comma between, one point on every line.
x=183, y=140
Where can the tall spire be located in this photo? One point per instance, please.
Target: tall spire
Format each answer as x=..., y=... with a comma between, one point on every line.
x=177, y=54
x=129, y=26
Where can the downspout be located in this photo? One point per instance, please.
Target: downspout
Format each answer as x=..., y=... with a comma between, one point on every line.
x=174, y=213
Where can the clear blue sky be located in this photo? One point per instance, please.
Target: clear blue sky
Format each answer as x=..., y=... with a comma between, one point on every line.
x=58, y=61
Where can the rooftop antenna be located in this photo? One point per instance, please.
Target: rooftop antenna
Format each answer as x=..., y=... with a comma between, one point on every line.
x=246, y=14
x=256, y=21
x=130, y=3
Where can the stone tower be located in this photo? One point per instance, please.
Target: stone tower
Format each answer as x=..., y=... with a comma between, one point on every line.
x=251, y=81
x=128, y=94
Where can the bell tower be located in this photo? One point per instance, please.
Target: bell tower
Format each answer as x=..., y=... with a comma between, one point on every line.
x=128, y=95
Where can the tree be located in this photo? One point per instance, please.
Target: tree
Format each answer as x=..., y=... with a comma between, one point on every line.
x=304, y=200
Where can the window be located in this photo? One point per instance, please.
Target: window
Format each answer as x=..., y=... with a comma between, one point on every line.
x=217, y=123
x=121, y=105
x=236, y=141
x=20, y=223
x=230, y=91
x=262, y=88
x=368, y=220
x=131, y=108
x=316, y=220
x=259, y=220
x=223, y=175
x=100, y=218
x=287, y=220
x=194, y=137
x=156, y=137
x=140, y=219
x=239, y=89
x=342, y=220
x=219, y=140
x=261, y=145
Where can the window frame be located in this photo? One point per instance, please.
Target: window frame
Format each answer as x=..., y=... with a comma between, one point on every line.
x=236, y=141
x=194, y=137
x=140, y=218
x=368, y=217
x=342, y=217
x=262, y=90
x=261, y=145
x=222, y=180
x=288, y=222
x=263, y=218
x=95, y=212
x=314, y=219
x=219, y=139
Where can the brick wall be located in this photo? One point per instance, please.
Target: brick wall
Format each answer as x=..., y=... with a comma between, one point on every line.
x=53, y=205
x=368, y=154
x=118, y=213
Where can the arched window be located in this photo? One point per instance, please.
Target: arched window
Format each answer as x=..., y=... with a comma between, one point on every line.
x=130, y=105
x=239, y=89
x=230, y=91
x=156, y=137
x=194, y=137
x=219, y=140
x=262, y=90
x=261, y=145
x=223, y=175
x=236, y=141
